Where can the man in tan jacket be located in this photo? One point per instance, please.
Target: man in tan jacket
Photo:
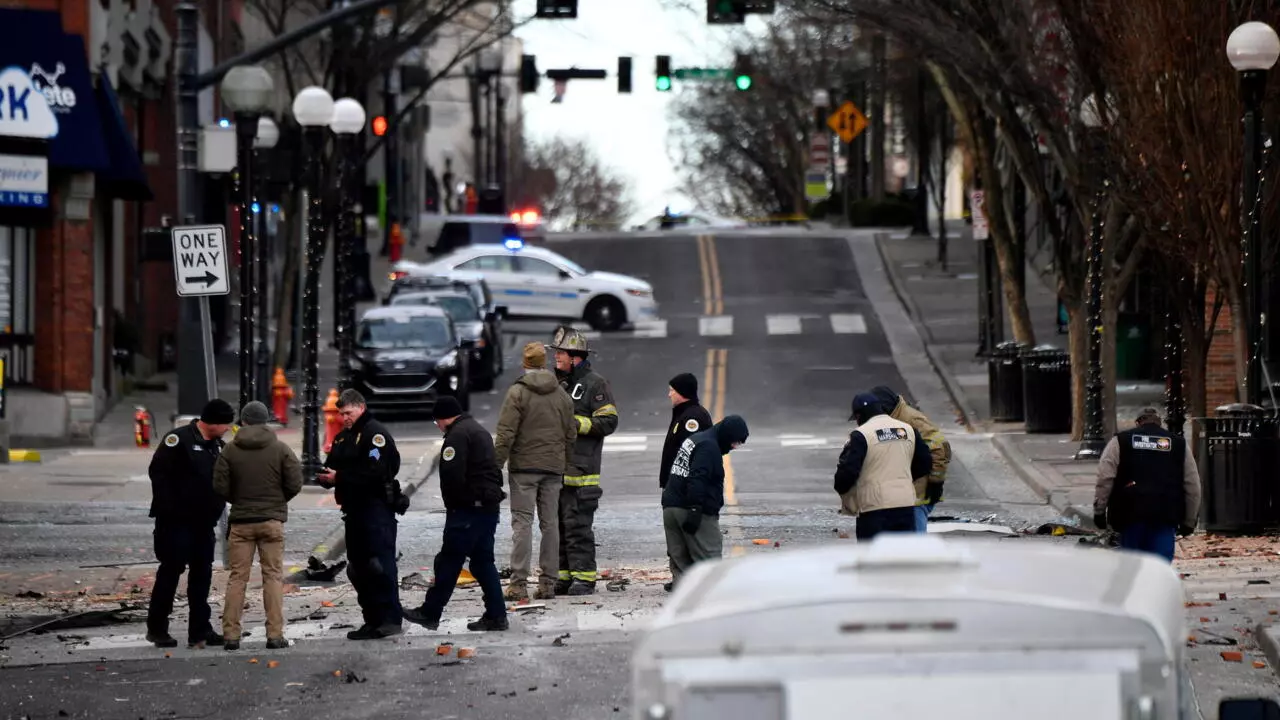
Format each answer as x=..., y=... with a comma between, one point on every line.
x=928, y=489
x=535, y=438
x=258, y=474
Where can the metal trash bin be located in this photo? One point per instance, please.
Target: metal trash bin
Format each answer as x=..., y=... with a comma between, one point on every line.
x=1238, y=453
x=1046, y=389
x=1004, y=382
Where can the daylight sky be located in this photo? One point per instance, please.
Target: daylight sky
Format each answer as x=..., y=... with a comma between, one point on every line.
x=629, y=132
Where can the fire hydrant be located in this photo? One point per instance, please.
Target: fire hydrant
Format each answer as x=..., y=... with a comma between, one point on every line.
x=141, y=426
x=396, y=243
x=332, y=419
x=281, y=394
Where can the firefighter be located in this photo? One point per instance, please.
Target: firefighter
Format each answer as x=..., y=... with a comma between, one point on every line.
x=928, y=489
x=596, y=417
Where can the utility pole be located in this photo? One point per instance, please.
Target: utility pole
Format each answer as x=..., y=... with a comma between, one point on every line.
x=390, y=164
x=877, y=105
x=476, y=132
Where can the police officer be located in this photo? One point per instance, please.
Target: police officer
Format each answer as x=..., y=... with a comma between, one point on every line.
x=361, y=467
x=597, y=417
x=186, y=510
x=687, y=418
x=876, y=473
x=1148, y=487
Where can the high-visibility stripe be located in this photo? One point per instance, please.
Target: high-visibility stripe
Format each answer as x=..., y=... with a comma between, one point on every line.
x=581, y=480
x=605, y=411
x=584, y=424
x=583, y=576
x=564, y=575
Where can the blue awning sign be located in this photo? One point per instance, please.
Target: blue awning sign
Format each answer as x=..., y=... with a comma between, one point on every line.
x=24, y=181
x=61, y=98
x=24, y=109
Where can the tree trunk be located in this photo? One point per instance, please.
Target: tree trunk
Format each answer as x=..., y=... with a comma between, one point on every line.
x=1110, y=314
x=1078, y=346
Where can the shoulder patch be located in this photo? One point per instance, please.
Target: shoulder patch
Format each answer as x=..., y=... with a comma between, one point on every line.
x=171, y=440
x=1147, y=442
x=379, y=440
x=448, y=454
x=691, y=426
x=891, y=434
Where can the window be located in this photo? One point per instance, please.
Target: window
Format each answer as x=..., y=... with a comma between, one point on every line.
x=490, y=263
x=404, y=332
x=17, y=311
x=536, y=267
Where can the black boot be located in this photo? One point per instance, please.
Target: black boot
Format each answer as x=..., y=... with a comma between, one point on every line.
x=162, y=639
x=582, y=587
x=419, y=616
x=486, y=623
x=562, y=586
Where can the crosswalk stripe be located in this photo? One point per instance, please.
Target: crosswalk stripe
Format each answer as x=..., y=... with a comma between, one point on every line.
x=650, y=329
x=715, y=325
x=848, y=324
x=782, y=324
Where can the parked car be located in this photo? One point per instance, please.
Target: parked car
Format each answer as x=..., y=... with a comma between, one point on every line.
x=407, y=357
x=485, y=356
x=442, y=234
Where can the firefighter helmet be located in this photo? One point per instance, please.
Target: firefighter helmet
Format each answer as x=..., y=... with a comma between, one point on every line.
x=569, y=340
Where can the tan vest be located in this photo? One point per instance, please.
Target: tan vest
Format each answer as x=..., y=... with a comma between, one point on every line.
x=885, y=481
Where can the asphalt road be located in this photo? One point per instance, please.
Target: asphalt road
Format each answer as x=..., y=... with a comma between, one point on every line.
x=778, y=327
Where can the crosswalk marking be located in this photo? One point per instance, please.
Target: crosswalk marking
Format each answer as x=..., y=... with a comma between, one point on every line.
x=848, y=324
x=651, y=329
x=782, y=324
x=715, y=325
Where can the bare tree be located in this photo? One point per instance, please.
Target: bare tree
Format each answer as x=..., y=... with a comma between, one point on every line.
x=574, y=188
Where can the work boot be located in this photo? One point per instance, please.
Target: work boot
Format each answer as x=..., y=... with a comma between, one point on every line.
x=419, y=616
x=389, y=629
x=668, y=586
x=211, y=639
x=274, y=643
x=582, y=587
x=162, y=640
x=562, y=586
x=545, y=591
x=369, y=632
x=486, y=624
x=516, y=592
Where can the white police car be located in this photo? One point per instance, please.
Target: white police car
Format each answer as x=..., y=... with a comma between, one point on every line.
x=535, y=282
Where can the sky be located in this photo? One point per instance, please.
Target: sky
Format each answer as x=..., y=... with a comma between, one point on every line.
x=628, y=132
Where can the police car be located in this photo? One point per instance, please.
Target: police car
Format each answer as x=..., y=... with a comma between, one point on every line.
x=535, y=282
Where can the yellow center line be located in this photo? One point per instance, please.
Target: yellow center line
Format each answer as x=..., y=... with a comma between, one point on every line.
x=709, y=393
x=713, y=259
x=704, y=267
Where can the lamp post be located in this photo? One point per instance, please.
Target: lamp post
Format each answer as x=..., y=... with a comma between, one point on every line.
x=247, y=90
x=1253, y=49
x=268, y=136
x=313, y=109
x=348, y=120
x=1094, y=425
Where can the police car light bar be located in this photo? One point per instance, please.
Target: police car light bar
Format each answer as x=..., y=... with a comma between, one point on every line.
x=513, y=243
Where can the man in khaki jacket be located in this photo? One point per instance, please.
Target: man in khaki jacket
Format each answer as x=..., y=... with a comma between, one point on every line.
x=877, y=469
x=928, y=489
x=535, y=438
x=258, y=474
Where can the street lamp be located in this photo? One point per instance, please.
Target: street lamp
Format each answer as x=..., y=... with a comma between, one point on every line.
x=268, y=136
x=1095, y=439
x=348, y=120
x=1253, y=49
x=247, y=90
x=313, y=109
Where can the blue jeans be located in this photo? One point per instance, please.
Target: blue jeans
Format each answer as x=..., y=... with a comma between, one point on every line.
x=1157, y=539
x=922, y=517
x=468, y=534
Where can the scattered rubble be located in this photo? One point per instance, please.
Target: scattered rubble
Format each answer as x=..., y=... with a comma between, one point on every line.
x=414, y=581
x=319, y=572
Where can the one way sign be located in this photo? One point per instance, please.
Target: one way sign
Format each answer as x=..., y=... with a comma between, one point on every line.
x=200, y=260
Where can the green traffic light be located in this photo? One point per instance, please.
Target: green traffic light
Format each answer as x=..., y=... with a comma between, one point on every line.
x=664, y=83
x=743, y=82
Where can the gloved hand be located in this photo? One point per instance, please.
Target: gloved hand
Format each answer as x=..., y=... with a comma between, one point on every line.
x=933, y=493
x=693, y=521
x=1100, y=520
x=1185, y=530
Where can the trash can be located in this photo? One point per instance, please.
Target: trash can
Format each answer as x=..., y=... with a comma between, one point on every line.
x=1004, y=382
x=1046, y=389
x=1238, y=452
x=1133, y=347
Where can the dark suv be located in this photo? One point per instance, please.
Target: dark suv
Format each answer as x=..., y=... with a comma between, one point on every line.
x=407, y=357
x=486, y=350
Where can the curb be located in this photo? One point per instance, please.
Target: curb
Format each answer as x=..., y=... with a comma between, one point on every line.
x=334, y=545
x=1038, y=481
x=967, y=414
x=1270, y=644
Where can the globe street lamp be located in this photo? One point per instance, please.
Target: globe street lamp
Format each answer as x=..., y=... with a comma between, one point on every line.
x=268, y=136
x=1095, y=439
x=247, y=90
x=313, y=109
x=1253, y=49
x=348, y=120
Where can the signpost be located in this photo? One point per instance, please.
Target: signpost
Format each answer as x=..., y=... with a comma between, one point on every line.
x=200, y=270
x=815, y=185
x=819, y=152
x=847, y=121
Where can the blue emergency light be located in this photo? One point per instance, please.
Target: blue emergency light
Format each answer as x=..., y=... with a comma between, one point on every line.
x=513, y=243
x=256, y=208
x=224, y=123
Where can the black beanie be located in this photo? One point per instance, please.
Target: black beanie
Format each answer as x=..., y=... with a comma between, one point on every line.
x=446, y=407
x=218, y=412
x=685, y=384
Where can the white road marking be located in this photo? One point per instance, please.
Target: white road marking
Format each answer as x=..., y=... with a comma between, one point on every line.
x=626, y=448
x=848, y=324
x=782, y=324
x=715, y=325
x=650, y=329
x=803, y=442
x=626, y=439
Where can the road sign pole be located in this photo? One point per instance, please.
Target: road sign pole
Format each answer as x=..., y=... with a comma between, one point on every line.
x=194, y=334
x=206, y=333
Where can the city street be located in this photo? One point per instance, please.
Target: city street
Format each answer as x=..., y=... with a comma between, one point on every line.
x=781, y=327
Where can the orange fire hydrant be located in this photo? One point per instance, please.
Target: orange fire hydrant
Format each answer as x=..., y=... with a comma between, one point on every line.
x=141, y=426
x=281, y=394
x=396, y=243
x=332, y=419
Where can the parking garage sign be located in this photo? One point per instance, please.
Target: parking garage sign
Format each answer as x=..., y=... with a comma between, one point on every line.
x=200, y=260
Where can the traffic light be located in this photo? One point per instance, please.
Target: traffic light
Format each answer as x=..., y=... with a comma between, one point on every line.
x=528, y=74
x=557, y=9
x=664, y=73
x=742, y=72
x=726, y=12
x=624, y=74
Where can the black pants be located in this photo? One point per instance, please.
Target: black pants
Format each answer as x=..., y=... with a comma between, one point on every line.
x=182, y=547
x=577, y=536
x=873, y=523
x=371, y=563
x=468, y=534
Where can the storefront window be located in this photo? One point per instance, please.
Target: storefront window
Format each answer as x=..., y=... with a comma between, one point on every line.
x=17, y=314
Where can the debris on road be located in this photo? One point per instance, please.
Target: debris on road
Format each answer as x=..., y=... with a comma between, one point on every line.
x=351, y=677
x=760, y=541
x=617, y=585
x=1232, y=656
x=527, y=607
x=414, y=581
x=29, y=595
x=319, y=572
x=466, y=652
x=273, y=663
x=444, y=648
x=559, y=642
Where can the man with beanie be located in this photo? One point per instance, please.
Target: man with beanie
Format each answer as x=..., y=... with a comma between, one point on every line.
x=687, y=417
x=876, y=473
x=258, y=474
x=535, y=437
x=186, y=510
x=1148, y=487
x=471, y=486
x=694, y=494
x=597, y=418
x=362, y=466
x=928, y=489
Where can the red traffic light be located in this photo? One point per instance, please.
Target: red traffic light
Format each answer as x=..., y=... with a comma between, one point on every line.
x=380, y=125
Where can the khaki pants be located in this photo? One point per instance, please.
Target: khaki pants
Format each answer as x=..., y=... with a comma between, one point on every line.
x=529, y=492
x=684, y=549
x=268, y=539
